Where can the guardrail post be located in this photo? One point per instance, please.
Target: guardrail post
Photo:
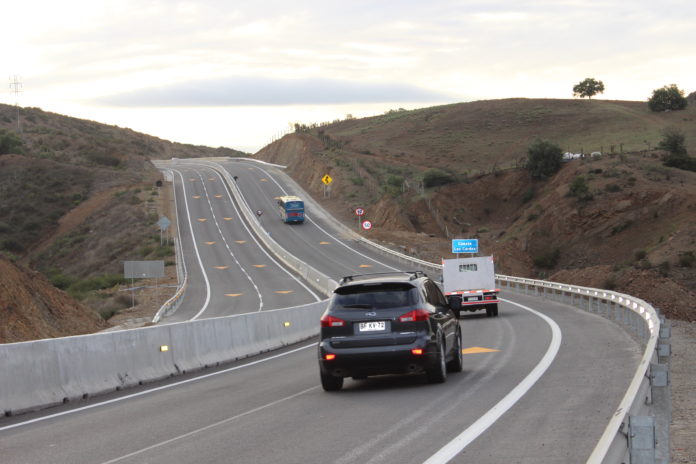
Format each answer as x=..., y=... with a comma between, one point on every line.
x=661, y=385
x=641, y=439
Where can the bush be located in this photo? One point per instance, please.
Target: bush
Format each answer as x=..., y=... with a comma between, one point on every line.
x=544, y=159
x=666, y=98
x=579, y=188
x=434, y=177
x=687, y=259
x=547, y=259
x=10, y=143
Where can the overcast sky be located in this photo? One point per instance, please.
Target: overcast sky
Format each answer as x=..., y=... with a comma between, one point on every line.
x=236, y=72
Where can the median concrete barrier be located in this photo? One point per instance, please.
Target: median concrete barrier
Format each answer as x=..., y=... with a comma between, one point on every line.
x=44, y=373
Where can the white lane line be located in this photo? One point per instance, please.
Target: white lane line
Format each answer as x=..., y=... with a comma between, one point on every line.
x=454, y=447
x=210, y=426
x=227, y=245
x=326, y=232
x=153, y=390
x=262, y=248
x=195, y=247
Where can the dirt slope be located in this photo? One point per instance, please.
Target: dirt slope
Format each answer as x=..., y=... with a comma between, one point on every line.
x=31, y=308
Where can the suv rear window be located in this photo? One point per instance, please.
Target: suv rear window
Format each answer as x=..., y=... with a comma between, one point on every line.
x=375, y=296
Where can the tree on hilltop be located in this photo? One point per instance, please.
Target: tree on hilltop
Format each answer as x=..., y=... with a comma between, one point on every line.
x=588, y=88
x=669, y=97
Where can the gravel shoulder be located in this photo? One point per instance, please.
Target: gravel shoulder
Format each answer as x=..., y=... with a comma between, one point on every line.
x=683, y=375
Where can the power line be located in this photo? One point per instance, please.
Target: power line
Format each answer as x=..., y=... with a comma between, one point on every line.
x=16, y=89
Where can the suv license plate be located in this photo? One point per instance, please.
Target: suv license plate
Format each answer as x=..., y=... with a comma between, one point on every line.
x=371, y=326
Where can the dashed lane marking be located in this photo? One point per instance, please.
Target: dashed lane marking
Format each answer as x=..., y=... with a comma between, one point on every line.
x=478, y=349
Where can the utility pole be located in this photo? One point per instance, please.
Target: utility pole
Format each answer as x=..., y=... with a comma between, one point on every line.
x=16, y=88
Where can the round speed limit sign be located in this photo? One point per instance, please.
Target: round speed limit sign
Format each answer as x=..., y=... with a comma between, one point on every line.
x=359, y=211
x=367, y=225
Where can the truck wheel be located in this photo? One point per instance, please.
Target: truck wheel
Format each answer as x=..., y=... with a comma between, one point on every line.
x=495, y=310
x=489, y=311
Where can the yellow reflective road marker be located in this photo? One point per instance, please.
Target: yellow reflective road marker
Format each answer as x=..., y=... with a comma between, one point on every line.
x=324, y=243
x=366, y=265
x=240, y=241
x=209, y=243
x=286, y=324
x=221, y=268
x=264, y=180
x=227, y=219
x=202, y=219
x=259, y=265
x=218, y=196
x=164, y=348
x=232, y=294
x=284, y=292
x=478, y=349
x=197, y=197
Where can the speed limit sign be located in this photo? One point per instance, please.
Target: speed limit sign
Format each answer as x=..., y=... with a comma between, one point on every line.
x=367, y=225
x=359, y=211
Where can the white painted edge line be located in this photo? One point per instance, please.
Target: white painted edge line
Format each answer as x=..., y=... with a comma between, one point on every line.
x=454, y=447
x=337, y=240
x=195, y=247
x=153, y=390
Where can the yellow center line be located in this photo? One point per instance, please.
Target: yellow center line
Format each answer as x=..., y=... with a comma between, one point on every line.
x=221, y=268
x=478, y=349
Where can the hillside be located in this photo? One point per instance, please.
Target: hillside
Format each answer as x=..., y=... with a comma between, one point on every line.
x=77, y=198
x=635, y=232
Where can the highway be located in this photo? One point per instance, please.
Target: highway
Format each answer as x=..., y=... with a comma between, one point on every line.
x=540, y=382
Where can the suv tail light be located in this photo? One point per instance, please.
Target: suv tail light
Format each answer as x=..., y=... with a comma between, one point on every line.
x=331, y=321
x=415, y=316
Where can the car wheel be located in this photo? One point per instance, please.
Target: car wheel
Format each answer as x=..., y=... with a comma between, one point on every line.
x=495, y=310
x=438, y=373
x=331, y=382
x=455, y=365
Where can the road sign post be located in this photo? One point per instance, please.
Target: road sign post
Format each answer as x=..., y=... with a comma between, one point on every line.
x=359, y=212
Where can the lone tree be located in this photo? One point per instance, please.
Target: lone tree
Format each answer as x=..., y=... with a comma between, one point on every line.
x=588, y=88
x=544, y=159
x=669, y=97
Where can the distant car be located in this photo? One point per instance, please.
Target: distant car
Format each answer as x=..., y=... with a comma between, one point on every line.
x=388, y=323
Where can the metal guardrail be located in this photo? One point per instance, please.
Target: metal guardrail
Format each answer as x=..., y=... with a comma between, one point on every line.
x=638, y=432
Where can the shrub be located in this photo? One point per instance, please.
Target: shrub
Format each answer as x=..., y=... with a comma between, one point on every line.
x=10, y=143
x=579, y=189
x=434, y=177
x=547, y=259
x=687, y=259
x=544, y=159
x=669, y=97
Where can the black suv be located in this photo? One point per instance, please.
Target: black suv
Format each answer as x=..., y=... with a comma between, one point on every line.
x=388, y=323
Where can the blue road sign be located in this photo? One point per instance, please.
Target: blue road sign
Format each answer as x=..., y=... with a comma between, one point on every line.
x=465, y=245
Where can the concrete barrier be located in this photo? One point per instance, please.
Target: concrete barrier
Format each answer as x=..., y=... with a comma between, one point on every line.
x=44, y=373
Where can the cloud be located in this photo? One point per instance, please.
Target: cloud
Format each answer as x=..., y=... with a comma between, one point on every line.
x=262, y=91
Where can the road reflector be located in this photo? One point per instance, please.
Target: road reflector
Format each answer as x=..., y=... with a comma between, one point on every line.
x=264, y=180
x=164, y=348
x=259, y=265
x=227, y=219
x=478, y=349
x=222, y=268
x=286, y=324
x=284, y=292
x=196, y=197
x=240, y=241
x=366, y=265
x=324, y=243
x=210, y=243
x=218, y=196
x=202, y=219
x=232, y=294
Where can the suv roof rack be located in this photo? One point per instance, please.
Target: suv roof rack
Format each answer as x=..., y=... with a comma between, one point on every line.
x=413, y=275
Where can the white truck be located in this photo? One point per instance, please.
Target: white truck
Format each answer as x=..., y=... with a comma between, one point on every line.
x=469, y=284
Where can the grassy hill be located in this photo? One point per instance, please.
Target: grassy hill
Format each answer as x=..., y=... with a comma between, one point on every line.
x=77, y=198
x=634, y=230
